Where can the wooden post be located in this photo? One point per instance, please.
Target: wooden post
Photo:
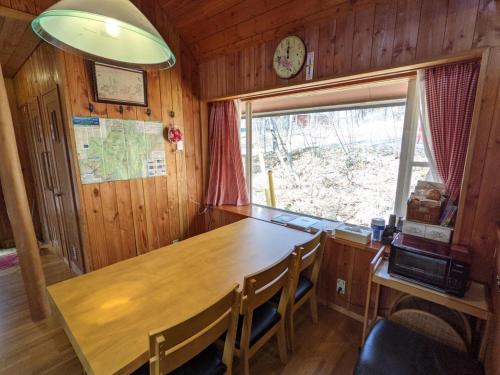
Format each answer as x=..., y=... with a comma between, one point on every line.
x=16, y=201
x=271, y=188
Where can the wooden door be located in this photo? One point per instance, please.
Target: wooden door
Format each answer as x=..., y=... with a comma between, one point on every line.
x=63, y=187
x=36, y=172
x=43, y=169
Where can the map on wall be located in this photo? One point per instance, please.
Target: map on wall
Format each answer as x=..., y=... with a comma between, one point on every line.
x=116, y=149
x=118, y=84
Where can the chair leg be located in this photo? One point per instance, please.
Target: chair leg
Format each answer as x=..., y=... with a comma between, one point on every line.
x=282, y=346
x=290, y=328
x=245, y=363
x=313, y=303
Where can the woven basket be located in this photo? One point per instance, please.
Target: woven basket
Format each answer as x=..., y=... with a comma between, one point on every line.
x=456, y=319
x=431, y=326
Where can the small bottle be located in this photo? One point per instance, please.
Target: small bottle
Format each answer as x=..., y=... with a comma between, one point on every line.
x=392, y=221
x=389, y=230
x=377, y=225
x=399, y=227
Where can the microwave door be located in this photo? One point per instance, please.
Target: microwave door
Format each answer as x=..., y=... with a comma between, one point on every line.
x=421, y=267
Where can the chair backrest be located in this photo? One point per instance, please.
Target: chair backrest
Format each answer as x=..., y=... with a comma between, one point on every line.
x=309, y=256
x=173, y=346
x=263, y=285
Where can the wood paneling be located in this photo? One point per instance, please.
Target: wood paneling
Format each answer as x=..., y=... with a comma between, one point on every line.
x=384, y=26
x=121, y=219
x=17, y=40
x=28, y=6
x=395, y=33
x=229, y=25
x=432, y=17
x=126, y=218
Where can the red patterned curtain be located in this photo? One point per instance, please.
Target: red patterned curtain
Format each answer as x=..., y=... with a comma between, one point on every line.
x=226, y=182
x=450, y=93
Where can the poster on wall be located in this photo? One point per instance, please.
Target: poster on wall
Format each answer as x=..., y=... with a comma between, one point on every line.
x=116, y=149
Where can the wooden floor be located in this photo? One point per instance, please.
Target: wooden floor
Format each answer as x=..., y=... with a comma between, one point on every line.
x=330, y=347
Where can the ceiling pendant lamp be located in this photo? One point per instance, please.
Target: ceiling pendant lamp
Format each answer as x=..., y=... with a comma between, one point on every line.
x=109, y=31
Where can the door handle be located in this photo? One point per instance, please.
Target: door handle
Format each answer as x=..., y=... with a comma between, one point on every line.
x=53, y=126
x=46, y=171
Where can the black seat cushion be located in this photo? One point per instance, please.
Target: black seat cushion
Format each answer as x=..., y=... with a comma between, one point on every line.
x=208, y=362
x=304, y=286
x=264, y=318
x=393, y=349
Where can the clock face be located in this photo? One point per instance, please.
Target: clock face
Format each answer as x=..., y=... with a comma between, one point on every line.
x=289, y=57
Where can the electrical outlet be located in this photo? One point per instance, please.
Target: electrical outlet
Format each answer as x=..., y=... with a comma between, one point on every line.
x=340, y=286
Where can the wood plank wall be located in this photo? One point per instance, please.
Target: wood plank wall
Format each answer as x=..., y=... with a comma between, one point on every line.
x=127, y=218
x=375, y=35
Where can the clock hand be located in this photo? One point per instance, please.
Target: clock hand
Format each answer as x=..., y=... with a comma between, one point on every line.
x=287, y=52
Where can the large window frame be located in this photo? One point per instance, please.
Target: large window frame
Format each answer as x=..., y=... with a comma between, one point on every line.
x=408, y=144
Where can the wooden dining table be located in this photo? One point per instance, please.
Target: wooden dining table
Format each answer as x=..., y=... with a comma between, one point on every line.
x=107, y=314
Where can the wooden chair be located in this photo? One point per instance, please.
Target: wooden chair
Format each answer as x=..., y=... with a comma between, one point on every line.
x=187, y=348
x=260, y=319
x=304, y=280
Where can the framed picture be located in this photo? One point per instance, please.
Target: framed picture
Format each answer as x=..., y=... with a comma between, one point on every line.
x=117, y=85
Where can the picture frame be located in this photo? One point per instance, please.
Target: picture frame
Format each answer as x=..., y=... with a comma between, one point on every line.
x=119, y=85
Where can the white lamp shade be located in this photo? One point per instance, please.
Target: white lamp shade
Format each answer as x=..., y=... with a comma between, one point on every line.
x=110, y=31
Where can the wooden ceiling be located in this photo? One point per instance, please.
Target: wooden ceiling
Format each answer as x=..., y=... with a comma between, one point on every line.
x=17, y=40
x=216, y=27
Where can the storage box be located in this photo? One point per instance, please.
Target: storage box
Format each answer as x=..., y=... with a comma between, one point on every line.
x=438, y=233
x=425, y=211
x=431, y=232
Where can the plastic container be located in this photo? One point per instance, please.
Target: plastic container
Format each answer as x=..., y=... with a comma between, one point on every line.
x=377, y=225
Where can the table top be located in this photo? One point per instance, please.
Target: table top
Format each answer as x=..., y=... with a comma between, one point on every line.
x=475, y=301
x=107, y=314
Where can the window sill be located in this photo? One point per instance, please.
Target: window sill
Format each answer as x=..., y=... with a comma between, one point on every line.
x=267, y=213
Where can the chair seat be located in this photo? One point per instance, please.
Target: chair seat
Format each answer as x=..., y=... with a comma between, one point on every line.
x=264, y=318
x=393, y=349
x=207, y=362
x=304, y=286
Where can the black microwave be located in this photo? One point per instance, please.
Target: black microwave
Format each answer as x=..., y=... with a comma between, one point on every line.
x=438, y=266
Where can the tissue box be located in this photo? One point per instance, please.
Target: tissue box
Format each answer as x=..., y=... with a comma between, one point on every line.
x=354, y=233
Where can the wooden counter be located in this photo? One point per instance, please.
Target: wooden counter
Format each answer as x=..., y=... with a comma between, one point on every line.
x=267, y=213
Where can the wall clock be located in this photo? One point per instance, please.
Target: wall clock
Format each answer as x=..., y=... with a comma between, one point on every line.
x=289, y=57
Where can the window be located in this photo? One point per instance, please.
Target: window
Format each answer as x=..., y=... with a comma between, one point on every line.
x=348, y=163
